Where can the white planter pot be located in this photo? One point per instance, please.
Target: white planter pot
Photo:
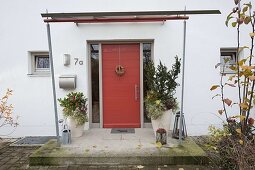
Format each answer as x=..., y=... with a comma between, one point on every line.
x=76, y=131
x=163, y=122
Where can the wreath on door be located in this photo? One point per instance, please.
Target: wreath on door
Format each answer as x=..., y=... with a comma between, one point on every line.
x=119, y=70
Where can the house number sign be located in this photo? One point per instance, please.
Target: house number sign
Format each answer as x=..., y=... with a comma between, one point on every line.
x=77, y=61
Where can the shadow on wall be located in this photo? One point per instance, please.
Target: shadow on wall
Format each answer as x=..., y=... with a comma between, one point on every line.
x=199, y=122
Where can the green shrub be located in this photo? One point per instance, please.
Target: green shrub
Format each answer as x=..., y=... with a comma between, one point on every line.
x=75, y=106
x=234, y=150
x=154, y=106
x=160, y=87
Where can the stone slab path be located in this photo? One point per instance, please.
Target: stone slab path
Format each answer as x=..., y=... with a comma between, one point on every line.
x=16, y=157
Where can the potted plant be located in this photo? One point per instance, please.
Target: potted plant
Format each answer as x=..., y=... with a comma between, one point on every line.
x=161, y=136
x=75, y=111
x=160, y=101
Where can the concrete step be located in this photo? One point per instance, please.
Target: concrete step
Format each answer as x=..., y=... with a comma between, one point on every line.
x=187, y=154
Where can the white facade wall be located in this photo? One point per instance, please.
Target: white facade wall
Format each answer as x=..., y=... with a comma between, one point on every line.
x=22, y=30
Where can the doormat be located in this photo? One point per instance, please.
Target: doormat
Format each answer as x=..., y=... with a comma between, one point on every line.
x=33, y=141
x=123, y=130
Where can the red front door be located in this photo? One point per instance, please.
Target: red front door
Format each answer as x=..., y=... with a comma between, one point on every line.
x=121, y=96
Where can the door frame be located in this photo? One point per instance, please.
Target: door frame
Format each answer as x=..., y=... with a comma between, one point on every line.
x=100, y=42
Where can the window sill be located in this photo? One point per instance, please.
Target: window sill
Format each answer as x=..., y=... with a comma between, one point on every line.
x=227, y=72
x=39, y=75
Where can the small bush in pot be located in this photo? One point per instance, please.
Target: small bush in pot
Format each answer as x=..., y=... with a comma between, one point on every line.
x=160, y=102
x=166, y=84
x=161, y=87
x=161, y=136
x=75, y=107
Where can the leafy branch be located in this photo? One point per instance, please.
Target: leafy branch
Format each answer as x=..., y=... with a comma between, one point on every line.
x=244, y=70
x=6, y=111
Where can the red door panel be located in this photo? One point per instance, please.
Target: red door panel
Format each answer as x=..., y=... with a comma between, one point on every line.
x=121, y=97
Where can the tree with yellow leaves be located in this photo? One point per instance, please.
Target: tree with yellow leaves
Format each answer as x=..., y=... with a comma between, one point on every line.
x=6, y=111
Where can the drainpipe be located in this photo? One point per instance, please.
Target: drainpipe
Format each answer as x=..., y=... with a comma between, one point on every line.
x=183, y=71
x=53, y=83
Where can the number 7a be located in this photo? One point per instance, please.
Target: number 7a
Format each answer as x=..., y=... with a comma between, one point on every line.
x=76, y=61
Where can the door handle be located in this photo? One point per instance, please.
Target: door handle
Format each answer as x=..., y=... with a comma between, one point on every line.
x=136, y=92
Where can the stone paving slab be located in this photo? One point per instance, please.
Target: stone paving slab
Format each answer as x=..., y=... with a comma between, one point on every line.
x=133, y=167
x=12, y=158
x=96, y=140
x=123, y=149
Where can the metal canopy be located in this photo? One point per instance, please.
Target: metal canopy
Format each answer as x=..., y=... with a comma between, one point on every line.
x=134, y=13
x=134, y=16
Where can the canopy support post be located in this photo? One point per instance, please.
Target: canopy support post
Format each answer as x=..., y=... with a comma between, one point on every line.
x=53, y=82
x=183, y=71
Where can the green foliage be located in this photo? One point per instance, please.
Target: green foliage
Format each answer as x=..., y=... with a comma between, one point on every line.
x=235, y=142
x=161, y=84
x=242, y=15
x=243, y=78
x=149, y=77
x=166, y=84
x=75, y=106
x=154, y=106
x=217, y=134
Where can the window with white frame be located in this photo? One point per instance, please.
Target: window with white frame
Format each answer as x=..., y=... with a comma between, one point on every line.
x=228, y=58
x=39, y=63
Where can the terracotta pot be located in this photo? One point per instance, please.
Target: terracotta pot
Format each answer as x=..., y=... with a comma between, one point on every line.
x=163, y=122
x=76, y=131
